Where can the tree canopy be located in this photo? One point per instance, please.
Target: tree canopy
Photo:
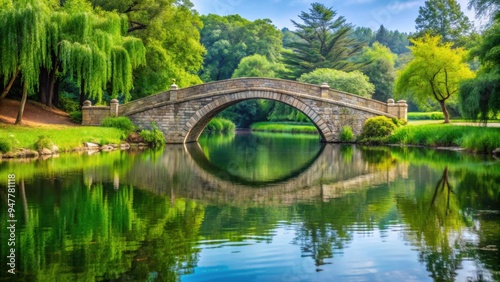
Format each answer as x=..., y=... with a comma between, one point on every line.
x=443, y=18
x=354, y=82
x=480, y=97
x=228, y=39
x=325, y=42
x=379, y=67
x=435, y=72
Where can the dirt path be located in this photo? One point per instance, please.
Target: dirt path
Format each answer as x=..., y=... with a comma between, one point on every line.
x=34, y=114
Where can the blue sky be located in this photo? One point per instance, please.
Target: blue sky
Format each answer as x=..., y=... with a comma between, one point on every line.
x=393, y=14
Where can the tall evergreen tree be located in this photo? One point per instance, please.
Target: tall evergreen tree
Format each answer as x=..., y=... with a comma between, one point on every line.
x=326, y=42
x=443, y=18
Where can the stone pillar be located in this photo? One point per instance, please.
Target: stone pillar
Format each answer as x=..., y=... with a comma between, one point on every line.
x=113, y=108
x=402, y=110
x=325, y=89
x=173, y=92
x=86, y=119
x=392, y=108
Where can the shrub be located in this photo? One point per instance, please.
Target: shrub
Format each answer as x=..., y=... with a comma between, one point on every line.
x=122, y=123
x=76, y=117
x=220, y=125
x=5, y=145
x=68, y=105
x=425, y=116
x=346, y=134
x=377, y=129
x=43, y=142
x=154, y=136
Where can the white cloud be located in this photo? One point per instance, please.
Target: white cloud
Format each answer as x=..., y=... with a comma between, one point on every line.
x=398, y=6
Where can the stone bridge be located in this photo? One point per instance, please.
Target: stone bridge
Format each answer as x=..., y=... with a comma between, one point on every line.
x=182, y=114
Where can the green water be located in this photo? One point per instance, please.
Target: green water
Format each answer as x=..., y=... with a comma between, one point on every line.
x=254, y=207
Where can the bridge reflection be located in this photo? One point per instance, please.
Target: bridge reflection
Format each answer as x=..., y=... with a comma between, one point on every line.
x=184, y=171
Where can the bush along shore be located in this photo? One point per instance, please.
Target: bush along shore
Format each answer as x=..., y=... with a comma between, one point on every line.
x=383, y=130
x=114, y=134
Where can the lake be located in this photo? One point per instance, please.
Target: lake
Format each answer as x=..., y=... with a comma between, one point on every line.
x=254, y=207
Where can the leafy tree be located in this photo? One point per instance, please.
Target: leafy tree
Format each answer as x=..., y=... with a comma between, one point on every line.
x=380, y=69
x=257, y=66
x=326, y=42
x=353, y=82
x=230, y=38
x=394, y=40
x=443, y=18
x=170, y=31
x=363, y=34
x=23, y=42
x=435, y=71
x=481, y=96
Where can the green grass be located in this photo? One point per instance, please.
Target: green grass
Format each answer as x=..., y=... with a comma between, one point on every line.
x=291, y=127
x=425, y=116
x=66, y=138
x=474, y=138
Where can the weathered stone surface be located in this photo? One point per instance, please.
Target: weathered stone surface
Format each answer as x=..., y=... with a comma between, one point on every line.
x=496, y=151
x=45, y=152
x=91, y=146
x=184, y=119
x=106, y=148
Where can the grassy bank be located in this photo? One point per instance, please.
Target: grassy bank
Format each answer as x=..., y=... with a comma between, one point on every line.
x=291, y=127
x=474, y=138
x=66, y=138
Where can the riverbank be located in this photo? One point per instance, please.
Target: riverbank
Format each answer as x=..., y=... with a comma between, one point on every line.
x=284, y=127
x=28, y=141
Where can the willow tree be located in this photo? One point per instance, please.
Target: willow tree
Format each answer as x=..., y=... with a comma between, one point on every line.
x=435, y=72
x=93, y=51
x=23, y=41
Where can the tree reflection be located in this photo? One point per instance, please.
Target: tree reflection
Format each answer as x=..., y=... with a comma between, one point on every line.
x=436, y=223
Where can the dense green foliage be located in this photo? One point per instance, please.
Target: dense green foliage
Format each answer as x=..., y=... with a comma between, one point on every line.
x=480, y=97
x=377, y=129
x=220, y=125
x=379, y=66
x=154, y=136
x=346, y=134
x=122, y=123
x=325, y=42
x=229, y=39
x=257, y=66
x=425, y=116
x=354, y=82
x=44, y=142
x=434, y=73
x=443, y=18
x=5, y=145
x=286, y=127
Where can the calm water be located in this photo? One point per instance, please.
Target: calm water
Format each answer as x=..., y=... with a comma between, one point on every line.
x=256, y=208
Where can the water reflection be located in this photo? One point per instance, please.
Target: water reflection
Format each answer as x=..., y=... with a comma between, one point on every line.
x=334, y=213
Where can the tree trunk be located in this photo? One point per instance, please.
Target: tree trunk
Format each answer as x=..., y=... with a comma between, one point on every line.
x=445, y=111
x=19, y=119
x=82, y=94
x=9, y=85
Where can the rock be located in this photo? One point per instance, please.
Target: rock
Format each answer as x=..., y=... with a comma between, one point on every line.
x=91, y=146
x=496, y=151
x=106, y=148
x=45, y=152
x=134, y=137
x=55, y=149
x=124, y=146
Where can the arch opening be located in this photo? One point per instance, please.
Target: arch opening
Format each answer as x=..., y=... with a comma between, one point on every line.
x=196, y=124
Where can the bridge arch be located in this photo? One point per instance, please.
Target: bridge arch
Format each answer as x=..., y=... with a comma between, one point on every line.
x=182, y=114
x=199, y=120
